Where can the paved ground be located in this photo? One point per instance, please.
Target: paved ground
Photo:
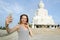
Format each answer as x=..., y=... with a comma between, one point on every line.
x=46, y=37
x=38, y=34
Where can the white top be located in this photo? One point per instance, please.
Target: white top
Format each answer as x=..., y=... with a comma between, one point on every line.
x=23, y=34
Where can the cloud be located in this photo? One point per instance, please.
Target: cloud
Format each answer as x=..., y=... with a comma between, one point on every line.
x=8, y=7
x=17, y=8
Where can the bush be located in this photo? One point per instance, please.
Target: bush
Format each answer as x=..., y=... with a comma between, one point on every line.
x=30, y=25
x=0, y=27
x=3, y=28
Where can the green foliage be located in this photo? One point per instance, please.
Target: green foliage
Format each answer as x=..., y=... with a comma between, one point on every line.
x=0, y=27
x=30, y=25
x=3, y=28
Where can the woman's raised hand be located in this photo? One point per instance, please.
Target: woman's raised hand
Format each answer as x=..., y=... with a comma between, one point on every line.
x=9, y=19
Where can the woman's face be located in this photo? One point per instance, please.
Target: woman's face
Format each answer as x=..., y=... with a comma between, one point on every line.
x=24, y=19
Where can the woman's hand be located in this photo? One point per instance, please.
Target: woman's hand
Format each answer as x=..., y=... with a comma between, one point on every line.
x=27, y=25
x=30, y=31
x=9, y=19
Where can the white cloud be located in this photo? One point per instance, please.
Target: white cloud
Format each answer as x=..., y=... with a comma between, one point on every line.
x=8, y=7
x=17, y=8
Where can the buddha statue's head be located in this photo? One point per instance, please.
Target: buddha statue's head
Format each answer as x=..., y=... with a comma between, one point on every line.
x=41, y=4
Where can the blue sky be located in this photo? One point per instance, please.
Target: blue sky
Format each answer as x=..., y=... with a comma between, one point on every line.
x=29, y=7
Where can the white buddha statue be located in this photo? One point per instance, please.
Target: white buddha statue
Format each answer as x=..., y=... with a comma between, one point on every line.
x=41, y=17
x=41, y=11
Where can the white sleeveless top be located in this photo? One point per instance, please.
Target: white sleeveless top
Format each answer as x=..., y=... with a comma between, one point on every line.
x=23, y=34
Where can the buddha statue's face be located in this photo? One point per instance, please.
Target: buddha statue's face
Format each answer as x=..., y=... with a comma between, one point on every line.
x=41, y=5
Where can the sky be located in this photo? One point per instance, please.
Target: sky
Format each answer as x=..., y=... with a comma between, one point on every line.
x=29, y=7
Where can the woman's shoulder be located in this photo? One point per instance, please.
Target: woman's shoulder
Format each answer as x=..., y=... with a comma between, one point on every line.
x=18, y=25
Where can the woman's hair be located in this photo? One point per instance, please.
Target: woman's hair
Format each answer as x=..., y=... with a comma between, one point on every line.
x=21, y=18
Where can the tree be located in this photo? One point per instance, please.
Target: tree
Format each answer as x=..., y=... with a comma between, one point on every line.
x=0, y=27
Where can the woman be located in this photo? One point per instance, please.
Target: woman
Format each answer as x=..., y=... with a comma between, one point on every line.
x=22, y=28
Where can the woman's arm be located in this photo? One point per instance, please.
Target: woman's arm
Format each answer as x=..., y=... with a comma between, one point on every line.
x=7, y=22
x=11, y=30
x=7, y=28
x=30, y=31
